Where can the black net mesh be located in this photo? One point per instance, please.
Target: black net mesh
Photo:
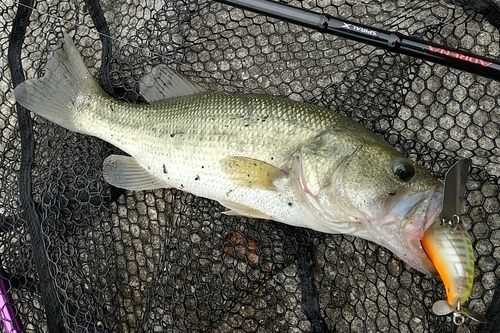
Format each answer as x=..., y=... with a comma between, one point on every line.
x=167, y=261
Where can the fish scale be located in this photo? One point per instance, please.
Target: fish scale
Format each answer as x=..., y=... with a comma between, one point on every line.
x=174, y=135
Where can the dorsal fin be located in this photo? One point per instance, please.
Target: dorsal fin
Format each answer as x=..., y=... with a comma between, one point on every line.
x=163, y=83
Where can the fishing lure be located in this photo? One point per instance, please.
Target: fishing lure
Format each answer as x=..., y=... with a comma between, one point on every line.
x=449, y=247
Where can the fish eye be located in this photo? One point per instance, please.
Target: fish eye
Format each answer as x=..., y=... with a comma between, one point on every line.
x=404, y=170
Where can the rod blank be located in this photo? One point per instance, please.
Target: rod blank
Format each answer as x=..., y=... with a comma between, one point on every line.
x=391, y=41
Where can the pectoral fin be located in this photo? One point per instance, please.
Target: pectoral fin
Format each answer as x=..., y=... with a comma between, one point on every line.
x=237, y=209
x=125, y=172
x=250, y=172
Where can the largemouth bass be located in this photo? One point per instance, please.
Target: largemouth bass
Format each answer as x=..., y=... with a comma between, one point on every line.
x=260, y=156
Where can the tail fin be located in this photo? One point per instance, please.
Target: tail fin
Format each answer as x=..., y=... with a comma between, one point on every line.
x=65, y=85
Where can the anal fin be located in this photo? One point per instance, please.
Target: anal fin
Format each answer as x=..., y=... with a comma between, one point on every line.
x=237, y=209
x=125, y=172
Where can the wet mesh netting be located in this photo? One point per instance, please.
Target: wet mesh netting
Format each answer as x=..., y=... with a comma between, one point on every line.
x=79, y=256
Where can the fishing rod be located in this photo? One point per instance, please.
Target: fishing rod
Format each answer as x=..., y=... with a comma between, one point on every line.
x=388, y=40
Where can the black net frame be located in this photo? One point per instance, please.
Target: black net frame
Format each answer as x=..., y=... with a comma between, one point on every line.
x=80, y=256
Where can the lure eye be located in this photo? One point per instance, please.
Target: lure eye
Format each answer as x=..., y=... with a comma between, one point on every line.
x=404, y=170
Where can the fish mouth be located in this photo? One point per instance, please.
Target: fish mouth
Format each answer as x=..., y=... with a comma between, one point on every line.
x=416, y=211
x=406, y=221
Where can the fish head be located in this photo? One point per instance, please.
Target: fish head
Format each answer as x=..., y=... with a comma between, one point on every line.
x=368, y=189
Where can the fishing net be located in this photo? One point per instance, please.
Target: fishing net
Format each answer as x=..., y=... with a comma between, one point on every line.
x=79, y=256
